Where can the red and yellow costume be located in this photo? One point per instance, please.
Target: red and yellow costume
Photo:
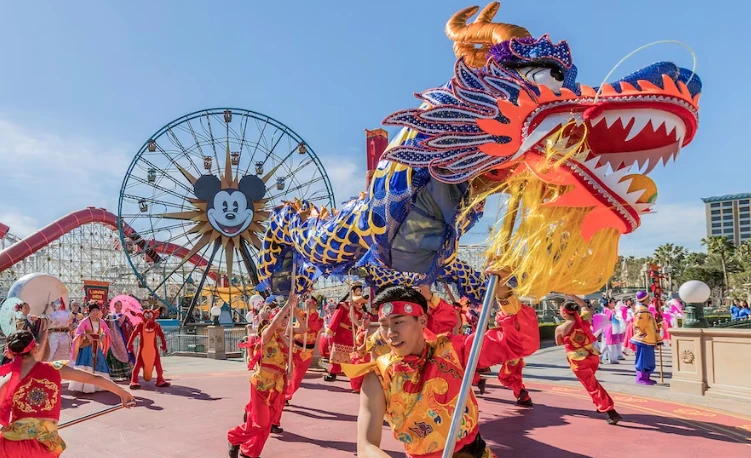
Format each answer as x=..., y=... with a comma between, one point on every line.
x=30, y=411
x=305, y=344
x=147, y=358
x=442, y=318
x=524, y=319
x=584, y=360
x=342, y=336
x=422, y=391
x=267, y=390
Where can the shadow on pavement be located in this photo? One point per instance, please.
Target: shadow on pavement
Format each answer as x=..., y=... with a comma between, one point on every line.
x=182, y=391
x=512, y=434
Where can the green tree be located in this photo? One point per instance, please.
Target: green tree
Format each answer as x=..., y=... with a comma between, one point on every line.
x=723, y=248
x=694, y=259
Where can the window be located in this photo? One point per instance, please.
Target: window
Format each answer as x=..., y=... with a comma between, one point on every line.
x=744, y=215
x=745, y=236
x=715, y=212
x=727, y=216
x=745, y=222
x=716, y=232
x=743, y=202
x=715, y=218
x=727, y=223
x=716, y=224
x=727, y=204
x=743, y=208
x=715, y=205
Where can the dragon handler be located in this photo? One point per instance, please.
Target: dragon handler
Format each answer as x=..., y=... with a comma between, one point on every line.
x=403, y=386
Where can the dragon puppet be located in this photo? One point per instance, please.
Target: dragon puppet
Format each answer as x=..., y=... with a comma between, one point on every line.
x=572, y=162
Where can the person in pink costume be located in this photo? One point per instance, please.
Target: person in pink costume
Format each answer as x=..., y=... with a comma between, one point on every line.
x=619, y=324
x=610, y=334
x=627, y=344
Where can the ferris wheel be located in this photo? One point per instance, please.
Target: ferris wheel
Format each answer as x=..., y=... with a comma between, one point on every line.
x=195, y=200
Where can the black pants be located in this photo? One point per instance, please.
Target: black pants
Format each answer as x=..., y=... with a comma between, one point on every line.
x=473, y=450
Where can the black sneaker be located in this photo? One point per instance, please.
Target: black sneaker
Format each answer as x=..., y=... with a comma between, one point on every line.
x=276, y=429
x=286, y=403
x=524, y=400
x=329, y=377
x=613, y=417
x=234, y=450
x=481, y=385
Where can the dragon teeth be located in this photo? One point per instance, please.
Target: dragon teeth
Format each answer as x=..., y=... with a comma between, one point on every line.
x=640, y=121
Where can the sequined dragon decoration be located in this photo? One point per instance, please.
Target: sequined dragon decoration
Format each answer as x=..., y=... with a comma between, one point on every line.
x=513, y=120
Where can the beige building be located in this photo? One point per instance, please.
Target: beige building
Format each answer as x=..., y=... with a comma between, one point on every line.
x=729, y=216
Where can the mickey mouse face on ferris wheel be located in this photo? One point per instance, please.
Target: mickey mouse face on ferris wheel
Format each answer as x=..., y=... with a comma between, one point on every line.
x=230, y=211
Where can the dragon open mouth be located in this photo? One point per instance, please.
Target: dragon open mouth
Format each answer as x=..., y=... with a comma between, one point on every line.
x=625, y=134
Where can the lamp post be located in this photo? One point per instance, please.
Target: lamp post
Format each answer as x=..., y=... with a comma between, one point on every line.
x=668, y=270
x=216, y=312
x=694, y=293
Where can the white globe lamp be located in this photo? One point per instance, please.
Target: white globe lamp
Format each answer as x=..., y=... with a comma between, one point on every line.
x=695, y=294
x=216, y=312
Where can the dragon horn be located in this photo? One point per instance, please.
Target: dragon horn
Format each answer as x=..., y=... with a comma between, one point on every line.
x=481, y=32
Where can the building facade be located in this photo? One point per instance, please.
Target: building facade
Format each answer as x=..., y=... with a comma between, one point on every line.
x=729, y=216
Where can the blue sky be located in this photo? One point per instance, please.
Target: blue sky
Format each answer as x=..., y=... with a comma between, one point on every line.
x=84, y=84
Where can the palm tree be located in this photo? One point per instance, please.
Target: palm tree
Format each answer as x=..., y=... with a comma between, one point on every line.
x=671, y=255
x=722, y=247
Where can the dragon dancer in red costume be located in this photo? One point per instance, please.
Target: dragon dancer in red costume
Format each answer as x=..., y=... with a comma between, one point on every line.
x=267, y=385
x=576, y=336
x=416, y=385
x=341, y=333
x=510, y=373
x=30, y=399
x=148, y=331
x=305, y=343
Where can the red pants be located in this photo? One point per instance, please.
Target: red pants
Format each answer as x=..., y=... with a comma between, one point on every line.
x=298, y=374
x=354, y=383
x=265, y=407
x=324, y=345
x=26, y=448
x=585, y=372
x=510, y=375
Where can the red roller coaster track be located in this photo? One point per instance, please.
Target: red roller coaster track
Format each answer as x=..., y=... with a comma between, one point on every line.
x=48, y=234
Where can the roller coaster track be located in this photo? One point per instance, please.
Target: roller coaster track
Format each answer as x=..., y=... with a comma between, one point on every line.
x=53, y=231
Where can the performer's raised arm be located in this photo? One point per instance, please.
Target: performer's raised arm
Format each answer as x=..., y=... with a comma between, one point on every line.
x=278, y=319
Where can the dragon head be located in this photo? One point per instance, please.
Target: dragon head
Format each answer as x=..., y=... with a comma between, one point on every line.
x=514, y=106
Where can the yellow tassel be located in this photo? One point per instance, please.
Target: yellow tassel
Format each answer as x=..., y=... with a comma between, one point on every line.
x=546, y=251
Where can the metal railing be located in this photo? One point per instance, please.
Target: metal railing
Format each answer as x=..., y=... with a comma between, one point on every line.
x=232, y=339
x=743, y=323
x=186, y=343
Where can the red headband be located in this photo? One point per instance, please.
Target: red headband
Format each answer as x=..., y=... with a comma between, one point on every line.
x=399, y=308
x=11, y=354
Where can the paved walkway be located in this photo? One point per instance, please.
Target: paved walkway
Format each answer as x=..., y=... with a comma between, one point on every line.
x=190, y=419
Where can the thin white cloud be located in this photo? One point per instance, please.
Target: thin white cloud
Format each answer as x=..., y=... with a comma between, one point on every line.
x=677, y=223
x=46, y=176
x=346, y=176
x=20, y=225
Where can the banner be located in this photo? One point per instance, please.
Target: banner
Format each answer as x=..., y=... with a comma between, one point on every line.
x=96, y=291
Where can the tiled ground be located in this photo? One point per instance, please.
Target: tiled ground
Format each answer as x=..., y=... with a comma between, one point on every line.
x=190, y=419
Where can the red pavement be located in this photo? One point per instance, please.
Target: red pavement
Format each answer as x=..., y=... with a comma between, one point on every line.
x=190, y=419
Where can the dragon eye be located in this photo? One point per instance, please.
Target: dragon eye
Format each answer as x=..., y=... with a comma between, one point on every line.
x=545, y=76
